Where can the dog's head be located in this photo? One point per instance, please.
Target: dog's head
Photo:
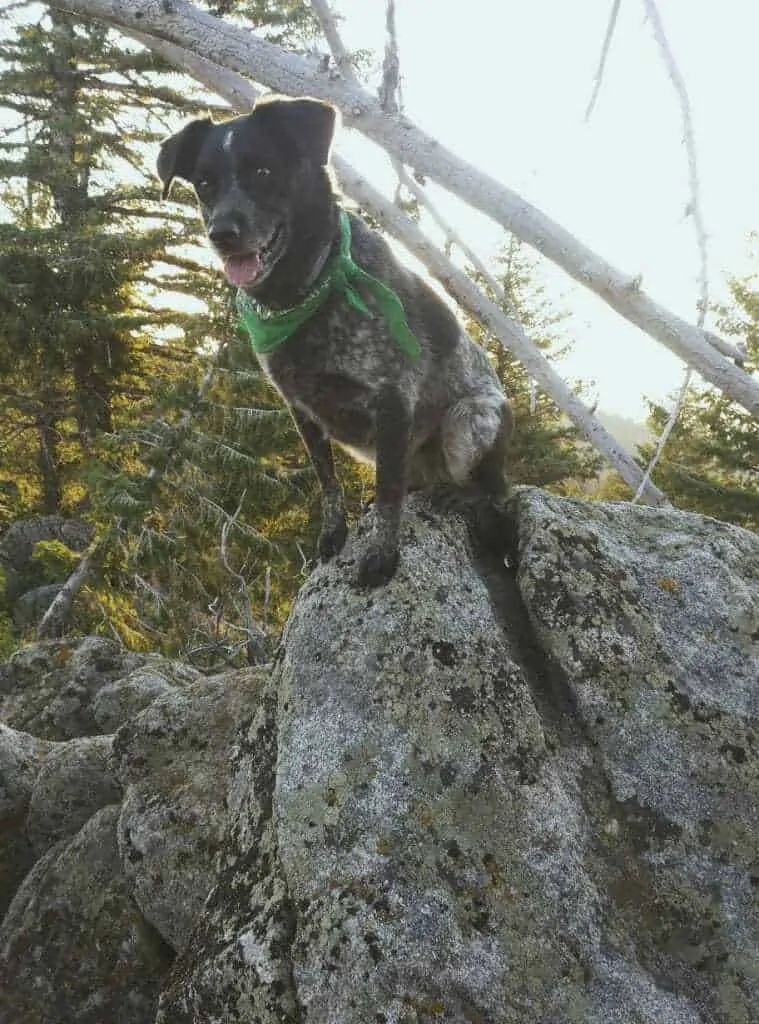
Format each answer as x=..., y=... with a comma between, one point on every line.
x=257, y=178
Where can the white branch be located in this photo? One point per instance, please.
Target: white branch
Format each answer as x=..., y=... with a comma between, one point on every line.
x=604, y=54
x=54, y=619
x=694, y=208
x=694, y=204
x=242, y=51
x=332, y=35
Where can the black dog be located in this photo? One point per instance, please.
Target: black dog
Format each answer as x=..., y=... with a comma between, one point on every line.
x=363, y=351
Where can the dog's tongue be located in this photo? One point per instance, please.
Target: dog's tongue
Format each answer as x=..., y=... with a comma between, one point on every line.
x=241, y=270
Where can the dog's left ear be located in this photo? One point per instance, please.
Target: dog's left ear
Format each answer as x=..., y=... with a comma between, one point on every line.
x=178, y=153
x=308, y=123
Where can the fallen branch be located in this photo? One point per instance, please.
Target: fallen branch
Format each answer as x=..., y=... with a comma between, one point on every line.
x=242, y=51
x=694, y=209
x=54, y=620
x=616, y=4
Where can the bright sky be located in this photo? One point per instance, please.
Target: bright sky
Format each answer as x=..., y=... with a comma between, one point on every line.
x=505, y=84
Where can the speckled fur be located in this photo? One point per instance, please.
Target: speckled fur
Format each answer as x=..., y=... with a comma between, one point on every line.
x=263, y=180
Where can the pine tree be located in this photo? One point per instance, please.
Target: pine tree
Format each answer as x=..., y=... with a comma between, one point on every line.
x=77, y=344
x=108, y=328
x=710, y=463
x=546, y=449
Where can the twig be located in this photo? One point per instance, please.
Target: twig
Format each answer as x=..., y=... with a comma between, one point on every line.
x=694, y=209
x=390, y=90
x=604, y=54
x=256, y=635
x=664, y=436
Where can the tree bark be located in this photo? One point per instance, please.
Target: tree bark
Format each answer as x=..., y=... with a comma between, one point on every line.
x=240, y=50
x=48, y=462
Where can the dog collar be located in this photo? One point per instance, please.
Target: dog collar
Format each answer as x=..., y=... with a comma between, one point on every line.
x=269, y=328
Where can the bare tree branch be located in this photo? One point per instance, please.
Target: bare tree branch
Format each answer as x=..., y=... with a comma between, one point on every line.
x=694, y=203
x=328, y=23
x=242, y=51
x=256, y=636
x=604, y=54
x=53, y=621
x=694, y=209
x=390, y=97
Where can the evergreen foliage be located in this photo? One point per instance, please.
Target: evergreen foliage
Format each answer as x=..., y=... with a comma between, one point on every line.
x=711, y=461
x=128, y=395
x=546, y=449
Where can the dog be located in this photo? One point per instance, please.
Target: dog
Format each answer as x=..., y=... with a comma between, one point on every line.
x=376, y=361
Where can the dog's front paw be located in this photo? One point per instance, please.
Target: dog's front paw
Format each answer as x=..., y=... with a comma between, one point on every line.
x=331, y=539
x=377, y=565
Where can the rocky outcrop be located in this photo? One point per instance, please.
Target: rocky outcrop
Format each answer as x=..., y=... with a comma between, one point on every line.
x=74, y=781
x=21, y=757
x=173, y=761
x=520, y=783
x=72, y=946
x=62, y=689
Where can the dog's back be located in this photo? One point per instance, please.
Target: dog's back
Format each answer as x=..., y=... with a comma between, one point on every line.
x=424, y=412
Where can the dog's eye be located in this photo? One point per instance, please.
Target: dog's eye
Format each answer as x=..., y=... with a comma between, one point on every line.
x=204, y=186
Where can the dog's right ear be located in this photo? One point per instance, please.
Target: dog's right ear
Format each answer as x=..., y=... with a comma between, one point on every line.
x=178, y=153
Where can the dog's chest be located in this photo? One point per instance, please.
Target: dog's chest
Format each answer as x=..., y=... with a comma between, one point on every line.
x=331, y=370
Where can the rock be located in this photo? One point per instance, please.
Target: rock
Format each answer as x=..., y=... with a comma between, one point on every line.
x=50, y=689
x=21, y=757
x=519, y=783
x=21, y=570
x=74, y=948
x=31, y=606
x=76, y=779
x=447, y=809
x=653, y=617
x=121, y=700
x=173, y=762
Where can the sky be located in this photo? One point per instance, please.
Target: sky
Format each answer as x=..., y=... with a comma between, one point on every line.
x=505, y=84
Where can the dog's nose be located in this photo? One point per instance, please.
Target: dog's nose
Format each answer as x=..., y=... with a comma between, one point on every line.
x=224, y=232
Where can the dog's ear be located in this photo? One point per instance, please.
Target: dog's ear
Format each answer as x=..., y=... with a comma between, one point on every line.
x=178, y=153
x=309, y=124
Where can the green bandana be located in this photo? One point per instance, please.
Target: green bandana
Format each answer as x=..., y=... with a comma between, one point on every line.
x=269, y=328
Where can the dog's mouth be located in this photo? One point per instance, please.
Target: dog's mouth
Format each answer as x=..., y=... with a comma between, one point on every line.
x=246, y=269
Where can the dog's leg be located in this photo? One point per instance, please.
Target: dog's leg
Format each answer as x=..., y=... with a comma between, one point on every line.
x=334, y=529
x=393, y=425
